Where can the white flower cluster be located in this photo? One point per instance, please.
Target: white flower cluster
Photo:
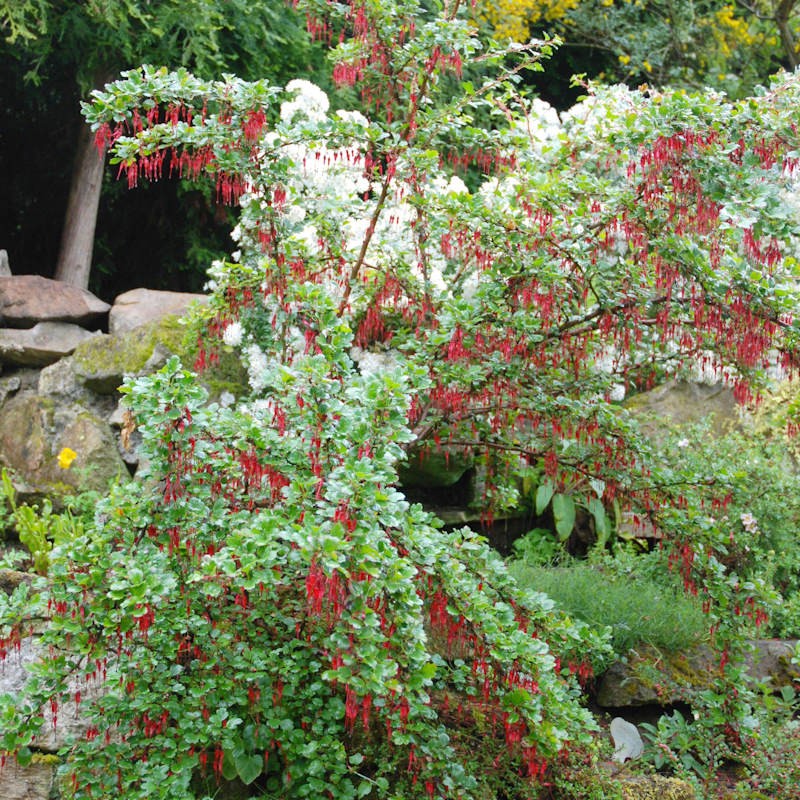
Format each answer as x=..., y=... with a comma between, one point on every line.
x=328, y=199
x=233, y=334
x=592, y=117
x=370, y=363
x=309, y=102
x=262, y=369
x=541, y=127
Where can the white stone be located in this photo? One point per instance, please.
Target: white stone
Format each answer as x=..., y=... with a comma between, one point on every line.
x=627, y=741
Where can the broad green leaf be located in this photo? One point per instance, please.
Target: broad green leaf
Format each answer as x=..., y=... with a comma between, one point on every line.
x=24, y=756
x=428, y=670
x=229, y=769
x=564, y=514
x=543, y=496
x=601, y=526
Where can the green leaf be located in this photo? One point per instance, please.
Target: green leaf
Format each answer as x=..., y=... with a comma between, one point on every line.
x=564, y=514
x=543, y=496
x=516, y=697
x=229, y=770
x=427, y=671
x=248, y=766
x=24, y=756
x=601, y=526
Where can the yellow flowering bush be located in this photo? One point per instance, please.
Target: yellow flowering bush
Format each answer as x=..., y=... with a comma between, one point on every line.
x=730, y=31
x=720, y=45
x=512, y=19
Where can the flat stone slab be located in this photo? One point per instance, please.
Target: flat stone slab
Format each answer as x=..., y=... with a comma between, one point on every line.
x=43, y=344
x=28, y=299
x=139, y=306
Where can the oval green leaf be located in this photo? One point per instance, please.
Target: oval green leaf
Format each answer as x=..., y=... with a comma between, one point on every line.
x=564, y=514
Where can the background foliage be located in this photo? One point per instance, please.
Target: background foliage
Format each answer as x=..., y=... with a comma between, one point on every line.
x=729, y=46
x=53, y=54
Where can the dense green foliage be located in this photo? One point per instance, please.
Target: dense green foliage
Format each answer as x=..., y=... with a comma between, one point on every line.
x=639, y=609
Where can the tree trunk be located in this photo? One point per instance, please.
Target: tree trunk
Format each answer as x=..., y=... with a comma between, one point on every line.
x=782, y=14
x=77, y=238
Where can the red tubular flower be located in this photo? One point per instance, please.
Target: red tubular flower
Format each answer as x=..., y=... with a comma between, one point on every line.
x=350, y=708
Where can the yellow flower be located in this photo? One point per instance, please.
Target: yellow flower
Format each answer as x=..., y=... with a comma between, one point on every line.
x=66, y=457
x=647, y=65
x=624, y=59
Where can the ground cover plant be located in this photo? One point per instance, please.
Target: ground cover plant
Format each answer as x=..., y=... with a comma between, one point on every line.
x=262, y=604
x=638, y=611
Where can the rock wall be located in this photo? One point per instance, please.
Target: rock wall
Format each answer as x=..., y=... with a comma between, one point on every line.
x=59, y=375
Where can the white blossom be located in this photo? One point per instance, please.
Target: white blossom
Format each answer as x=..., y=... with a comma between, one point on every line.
x=541, y=124
x=356, y=117
x=257, y=367
x=233, y=334
x=451, y=186
x=617, y=393
x=749, y=522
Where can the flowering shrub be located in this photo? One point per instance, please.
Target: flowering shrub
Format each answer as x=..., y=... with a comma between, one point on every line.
x=264, y=604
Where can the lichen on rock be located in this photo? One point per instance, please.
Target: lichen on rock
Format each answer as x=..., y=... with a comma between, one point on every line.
x=656, y=787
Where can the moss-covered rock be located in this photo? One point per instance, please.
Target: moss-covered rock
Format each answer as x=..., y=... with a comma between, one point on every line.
x=225, y=375
x=651, y=677
x=103, y=362
x=684, y=402
x=10, y=579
